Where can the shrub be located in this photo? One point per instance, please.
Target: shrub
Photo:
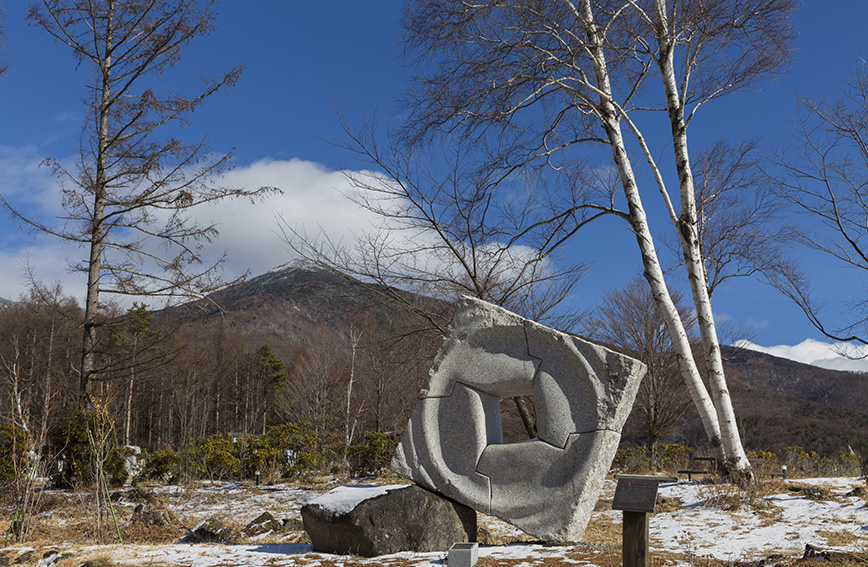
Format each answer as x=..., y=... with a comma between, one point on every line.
x=373, y=455
x=673, y=457
x=631, y=460
x=303, y=449
x=70, y=443
x=849, y=464
x=162, y=466
x=808, y=463
x=13, y=450
x=260, y=454
x=214, y=457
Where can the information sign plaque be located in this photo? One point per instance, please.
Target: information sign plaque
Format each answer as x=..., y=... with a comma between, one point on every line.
x=635, y=495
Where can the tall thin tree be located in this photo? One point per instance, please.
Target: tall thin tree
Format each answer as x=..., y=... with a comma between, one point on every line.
x=128, y=197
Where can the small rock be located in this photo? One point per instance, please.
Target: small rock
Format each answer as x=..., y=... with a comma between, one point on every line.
x=138, y=494
x=262, y=524
x=291, y=525
x=858, y=492
x=816, y=553
x=52, y=556
x=212, y=530
x=153, y=516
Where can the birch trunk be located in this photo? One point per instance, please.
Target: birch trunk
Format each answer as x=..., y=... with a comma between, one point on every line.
x=130, y=384
x=46, y=387
x=688, y=231
x=653, y=271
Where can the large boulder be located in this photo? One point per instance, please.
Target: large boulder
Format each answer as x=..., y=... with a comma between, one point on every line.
x=582, y=392
x=378, y=520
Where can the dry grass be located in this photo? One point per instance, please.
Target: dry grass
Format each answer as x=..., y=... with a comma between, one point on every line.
x=665, y=504
x=731, y=498
x=813, y=493
x=604, y=529
x=838, y=538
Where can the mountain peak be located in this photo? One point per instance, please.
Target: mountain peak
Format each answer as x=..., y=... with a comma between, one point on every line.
x=297, y=265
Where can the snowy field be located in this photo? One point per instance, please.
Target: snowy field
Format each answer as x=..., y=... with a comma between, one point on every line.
x=696, y=524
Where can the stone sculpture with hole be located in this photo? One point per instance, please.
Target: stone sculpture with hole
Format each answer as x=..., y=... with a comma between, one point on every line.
x=582, y=393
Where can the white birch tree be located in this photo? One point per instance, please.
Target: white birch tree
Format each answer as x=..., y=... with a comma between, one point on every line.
x=546, y=77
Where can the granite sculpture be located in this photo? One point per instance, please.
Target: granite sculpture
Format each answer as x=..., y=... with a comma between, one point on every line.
x=453, y=442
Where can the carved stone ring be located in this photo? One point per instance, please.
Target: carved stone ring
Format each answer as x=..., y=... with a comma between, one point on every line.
x=582, y=393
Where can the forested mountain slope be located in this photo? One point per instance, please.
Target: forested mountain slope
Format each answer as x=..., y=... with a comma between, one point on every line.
x=292, y=303
x=782, y=403
x=779, y=402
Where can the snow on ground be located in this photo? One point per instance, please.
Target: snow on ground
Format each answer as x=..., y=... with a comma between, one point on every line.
x=698, y=520
x=778, y=523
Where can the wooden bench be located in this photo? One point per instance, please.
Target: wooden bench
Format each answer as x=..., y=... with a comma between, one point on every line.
x=758, y=466
x=710, y=468
x=692, y=472
x=781, y=474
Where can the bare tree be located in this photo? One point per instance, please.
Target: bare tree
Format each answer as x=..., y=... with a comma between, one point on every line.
x=739, y=216
x=314, y=391
x=4, y=65
x=453, y=224
x=546, y=78
x=824, y=179
x=35, y=334
x=629, y=320
x=129, y=196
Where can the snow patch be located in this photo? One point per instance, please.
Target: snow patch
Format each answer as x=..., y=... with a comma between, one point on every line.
x=299, y=265
x=833, y=356
x=344, y=498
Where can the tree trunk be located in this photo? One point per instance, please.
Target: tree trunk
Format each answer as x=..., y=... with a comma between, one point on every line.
x=129, y=408
x=688, y=230
x=638, y=221
x=652, y=452
x=355, y=336
x=237, y=398
x=97, y=231
x=46, y=387
x=527, y=417
x=217, y=405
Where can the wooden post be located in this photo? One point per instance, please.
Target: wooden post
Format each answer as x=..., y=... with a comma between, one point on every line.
x=635, y=539
x=636, y=496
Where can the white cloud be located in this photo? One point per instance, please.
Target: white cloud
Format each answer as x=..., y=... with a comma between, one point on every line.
x=723, y=318
x=818, y=353
x=32, y=190
x=312, y=198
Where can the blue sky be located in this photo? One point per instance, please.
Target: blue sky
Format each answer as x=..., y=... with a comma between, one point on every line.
x=302, y=60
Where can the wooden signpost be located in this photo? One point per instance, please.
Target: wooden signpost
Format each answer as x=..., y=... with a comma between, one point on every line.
x=636, y=496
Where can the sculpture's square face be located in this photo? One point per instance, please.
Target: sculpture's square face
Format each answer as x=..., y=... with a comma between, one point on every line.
x=453, y=442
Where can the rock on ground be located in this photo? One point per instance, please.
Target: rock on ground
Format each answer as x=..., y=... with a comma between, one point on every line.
x=404, y=518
